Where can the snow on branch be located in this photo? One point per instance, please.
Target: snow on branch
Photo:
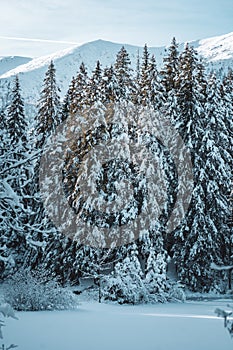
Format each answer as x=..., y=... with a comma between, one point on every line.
x=213, y=266
x=19, y=163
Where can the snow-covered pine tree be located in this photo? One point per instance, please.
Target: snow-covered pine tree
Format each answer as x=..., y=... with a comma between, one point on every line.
x=145, y=78
x=170, y=67
x=3, y=136
x=75, y=102
x=219, y=163
x=123, y=72
x=204, y=237
x=186, y=107
x=136, y=78
x=65, y=109
x=15, y=209
x=126, y=285
x=185, y=95
x=3, y=202
x=156, y=274
x=156, y=89
x=16, y=119
x=152, y=92
x=4, y=156
x=62, y=258
x=49, y=107
x=169, y=77
x=78, y=90
x=47, y=119
x=93, y=90
x=109, y=86
x=227, y=96
x=227, y=143
x=86, y=96
x=151, y=88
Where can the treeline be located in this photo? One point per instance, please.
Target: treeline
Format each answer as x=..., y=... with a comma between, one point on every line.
x=198, y=106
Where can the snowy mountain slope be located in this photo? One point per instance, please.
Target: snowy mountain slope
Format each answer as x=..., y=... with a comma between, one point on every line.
x=217, y=51
x=67, y=63
x=89, y=53
x=217, y=48
x=11, y=62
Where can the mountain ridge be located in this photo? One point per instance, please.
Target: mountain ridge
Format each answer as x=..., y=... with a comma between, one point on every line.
x=216, y=51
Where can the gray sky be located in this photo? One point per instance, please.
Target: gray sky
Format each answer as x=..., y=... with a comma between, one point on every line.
x=153, y=22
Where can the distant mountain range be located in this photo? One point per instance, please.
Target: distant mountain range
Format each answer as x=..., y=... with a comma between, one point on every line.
x=9, y=63
x=216, y=51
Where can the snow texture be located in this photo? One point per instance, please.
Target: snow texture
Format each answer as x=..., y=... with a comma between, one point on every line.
x=191, y=326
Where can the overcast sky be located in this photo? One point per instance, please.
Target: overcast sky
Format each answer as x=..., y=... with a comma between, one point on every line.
x=137, y=22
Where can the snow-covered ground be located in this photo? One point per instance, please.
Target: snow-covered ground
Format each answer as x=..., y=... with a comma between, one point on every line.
x=93, y=326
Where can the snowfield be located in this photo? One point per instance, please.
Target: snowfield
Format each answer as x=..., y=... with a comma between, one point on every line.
x=93, y=326
x=217, y=48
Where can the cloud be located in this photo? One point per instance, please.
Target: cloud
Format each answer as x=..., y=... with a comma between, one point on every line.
x=39, y=40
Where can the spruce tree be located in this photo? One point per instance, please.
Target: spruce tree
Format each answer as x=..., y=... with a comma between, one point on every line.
x=49, y=116
x=136, y=98
x=145, y=81
x=94, y=86
x=186, y=93
x=170, y=68
x=126, y=284
x=156, y=276
x=47, y=119
x=204, y=236
x=15, y=186
x=109, y=86
x=156, y=88
x=219, y=162
x=78, y=91
x=123, y=74
x=15, y=117
x=66, y=103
